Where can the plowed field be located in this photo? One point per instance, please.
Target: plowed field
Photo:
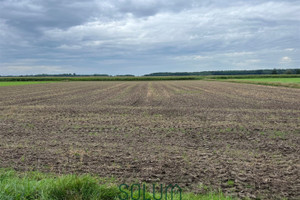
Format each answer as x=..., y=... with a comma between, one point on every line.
x=243, y=139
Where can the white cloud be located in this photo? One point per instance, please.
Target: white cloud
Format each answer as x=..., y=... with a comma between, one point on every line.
x=286, y=59
x=30, y=66
x=181, y=33
x=17, y=70
x=234, y=54
x=289, y=49
x=197, y=26
x=69, y=47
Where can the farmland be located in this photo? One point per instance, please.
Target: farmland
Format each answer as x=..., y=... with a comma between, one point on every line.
x=203, y=135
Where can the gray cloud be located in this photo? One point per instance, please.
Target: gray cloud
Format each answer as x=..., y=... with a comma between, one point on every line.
x=134, y=36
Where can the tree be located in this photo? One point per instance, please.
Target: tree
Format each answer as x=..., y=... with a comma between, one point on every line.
x=288, y=71
x=274, y=71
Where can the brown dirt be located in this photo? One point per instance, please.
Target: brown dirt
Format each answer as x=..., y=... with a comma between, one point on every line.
x=188, y=132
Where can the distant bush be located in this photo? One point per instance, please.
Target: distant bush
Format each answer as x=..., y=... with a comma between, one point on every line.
x=226, y=72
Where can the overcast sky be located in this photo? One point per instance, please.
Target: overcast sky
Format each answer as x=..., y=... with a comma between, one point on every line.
x=144, y=36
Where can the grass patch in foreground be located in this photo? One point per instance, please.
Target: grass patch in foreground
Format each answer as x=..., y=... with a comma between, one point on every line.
x=8, y=83
x=34, y=185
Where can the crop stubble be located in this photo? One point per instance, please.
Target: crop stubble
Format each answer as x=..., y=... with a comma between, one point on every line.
x=187, y=132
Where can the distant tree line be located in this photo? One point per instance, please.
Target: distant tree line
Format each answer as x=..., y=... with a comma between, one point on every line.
x=60, y=75
x=70, y=75
x=126, y=75
x=203, y=73
x=228, y=72
x=66, y=75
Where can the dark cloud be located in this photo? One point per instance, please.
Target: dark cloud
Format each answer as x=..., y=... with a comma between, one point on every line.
x=134, y=36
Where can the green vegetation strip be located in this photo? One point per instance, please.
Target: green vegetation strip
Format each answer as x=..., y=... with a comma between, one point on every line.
x=35, y=185
x=284, y=82
x=275, y=80
x=8, y=83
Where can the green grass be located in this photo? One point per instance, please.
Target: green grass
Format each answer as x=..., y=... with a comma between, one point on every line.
x=274, y=80
x=34, y=185
x=8, y=83
x=230, y=183
x=251, y=77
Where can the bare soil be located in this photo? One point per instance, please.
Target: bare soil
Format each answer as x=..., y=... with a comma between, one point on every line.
x=242, y=139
